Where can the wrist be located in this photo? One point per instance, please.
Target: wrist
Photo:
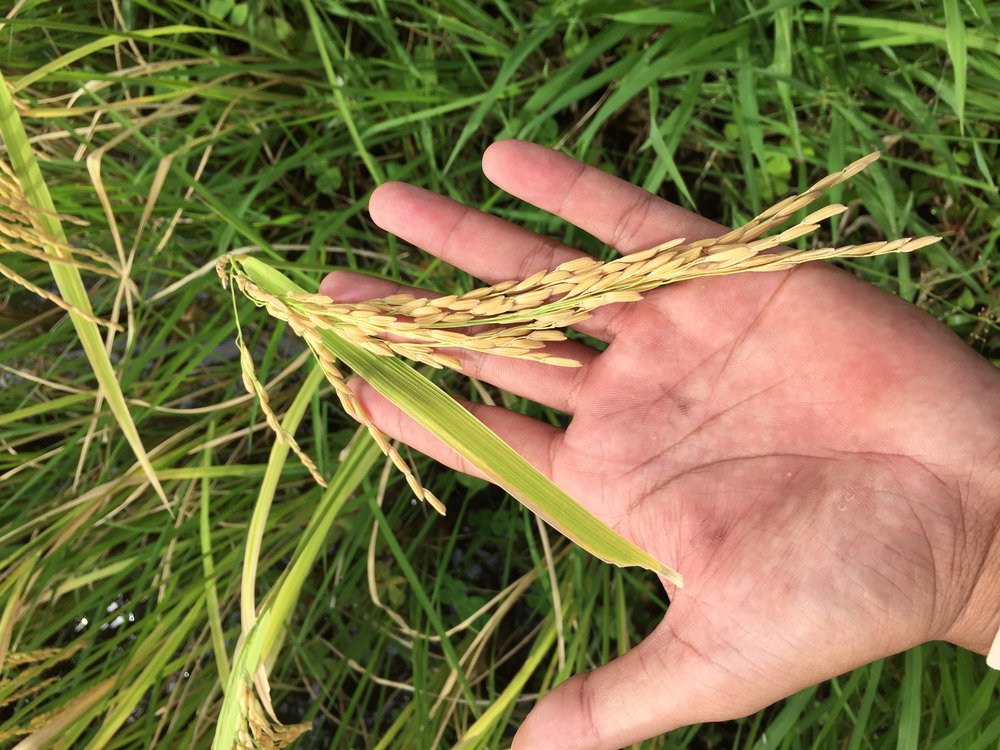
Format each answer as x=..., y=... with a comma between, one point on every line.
x=977, y=625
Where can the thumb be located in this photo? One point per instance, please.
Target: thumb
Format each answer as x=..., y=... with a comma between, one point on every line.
x=663, y=683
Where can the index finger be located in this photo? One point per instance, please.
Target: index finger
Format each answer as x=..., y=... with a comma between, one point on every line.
x=618, y=213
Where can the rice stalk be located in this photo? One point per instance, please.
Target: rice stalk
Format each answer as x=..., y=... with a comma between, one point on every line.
x=247, y=715
x=258, y=730
x=19, y=234
x=255, y=388
x=327, y=362
x=454, y=426
x=518, y=318
x=38, y=208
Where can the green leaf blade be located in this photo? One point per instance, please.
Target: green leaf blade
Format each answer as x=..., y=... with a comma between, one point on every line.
x=454, y=426
x=958, y=52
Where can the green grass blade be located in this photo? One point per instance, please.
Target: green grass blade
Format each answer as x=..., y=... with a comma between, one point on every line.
x=265, y=632
x=169, y=636
x=68, y=278
x=957, y=50
x=8, y=617
x=336, y=85
x=511, y=65
x=975, y=710
x=212, y=607
x=434, y=617
x=356, y=465
x=110, y=40
x=265, y=497
x=485, y=726
x=56, y=405
x=910, y=702
x=787, y=719
x=906, y=32
x=873, y=672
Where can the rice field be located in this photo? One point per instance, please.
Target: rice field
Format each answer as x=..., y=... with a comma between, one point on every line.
x=160, y=539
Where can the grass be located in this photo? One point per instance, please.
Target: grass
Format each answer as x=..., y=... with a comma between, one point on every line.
x=178, y=131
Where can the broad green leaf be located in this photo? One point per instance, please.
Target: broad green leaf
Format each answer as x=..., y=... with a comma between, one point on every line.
x=447, y=420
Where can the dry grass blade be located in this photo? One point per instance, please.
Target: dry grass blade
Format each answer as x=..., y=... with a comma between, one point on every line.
x=19, y=234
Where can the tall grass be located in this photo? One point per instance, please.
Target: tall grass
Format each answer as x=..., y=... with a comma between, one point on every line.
x=177, y=131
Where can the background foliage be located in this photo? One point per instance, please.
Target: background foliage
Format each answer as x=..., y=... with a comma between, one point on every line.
x=183, y=129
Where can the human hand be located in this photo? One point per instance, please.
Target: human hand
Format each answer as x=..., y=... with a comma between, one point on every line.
x=817, y=457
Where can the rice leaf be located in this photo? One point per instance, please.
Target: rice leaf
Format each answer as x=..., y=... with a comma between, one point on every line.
x=68, y=278
x=264, y=633
x=447, y=420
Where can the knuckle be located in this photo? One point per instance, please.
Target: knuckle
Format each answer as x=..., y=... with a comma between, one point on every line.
x=586, y=707
x=632, y=221
x=542, y=256
x=455, y=241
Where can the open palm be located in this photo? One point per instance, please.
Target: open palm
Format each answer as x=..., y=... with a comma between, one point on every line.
x=803, y=447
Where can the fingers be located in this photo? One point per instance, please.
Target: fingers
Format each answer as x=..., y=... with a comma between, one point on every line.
x=485, y=246
x=535, y=441
x=347, y=286
x=545, y=384
x=620, y=214
x=629, y=219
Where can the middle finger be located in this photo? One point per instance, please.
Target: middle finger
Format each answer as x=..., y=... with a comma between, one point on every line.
x=483, y=245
